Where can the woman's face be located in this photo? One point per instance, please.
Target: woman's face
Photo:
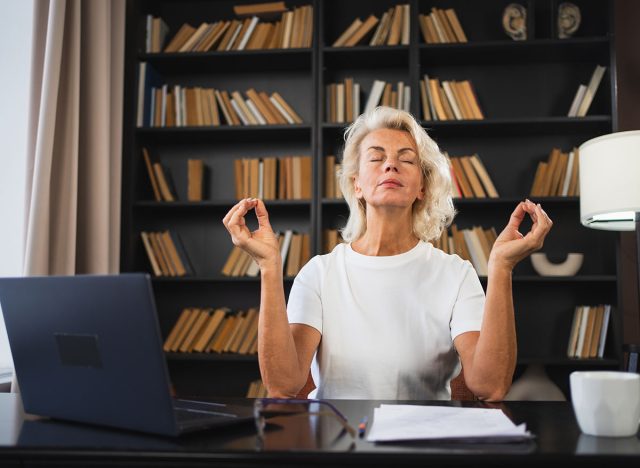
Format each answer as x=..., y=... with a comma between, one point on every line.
x=389, y=173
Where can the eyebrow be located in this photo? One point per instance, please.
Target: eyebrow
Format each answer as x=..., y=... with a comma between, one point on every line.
x=380, y=148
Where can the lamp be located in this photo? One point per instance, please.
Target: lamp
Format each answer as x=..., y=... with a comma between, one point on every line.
x=610, y=190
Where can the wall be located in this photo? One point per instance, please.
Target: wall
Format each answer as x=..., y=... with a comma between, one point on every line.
x=628, y=68
x=15, y=57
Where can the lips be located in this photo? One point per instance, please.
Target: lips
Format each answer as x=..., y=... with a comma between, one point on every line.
x=391, y=182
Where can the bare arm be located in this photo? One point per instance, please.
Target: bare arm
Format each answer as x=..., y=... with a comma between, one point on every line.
x=489, y=357
x=284, y=351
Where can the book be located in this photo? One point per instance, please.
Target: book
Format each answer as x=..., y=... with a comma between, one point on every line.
x=150, y=254
x=484, y=176
x=195, y=175
x=577, y=99
x=267, y=8
x=455, y=24
x=603, y=330
x=362, y=31
x=590, y=92
x=575, y=331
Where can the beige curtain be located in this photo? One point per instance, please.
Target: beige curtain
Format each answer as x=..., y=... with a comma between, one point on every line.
x=74, y=161
x=75, y=138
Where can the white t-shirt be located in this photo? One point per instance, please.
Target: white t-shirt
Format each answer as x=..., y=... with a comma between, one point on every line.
x=387, y=323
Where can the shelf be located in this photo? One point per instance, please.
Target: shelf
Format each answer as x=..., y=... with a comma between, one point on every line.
x=214, y=205
x=212, y=357
x=248, y=61
x=234, y=133
x=510, y=125
x=516, y=52
x=366, y=57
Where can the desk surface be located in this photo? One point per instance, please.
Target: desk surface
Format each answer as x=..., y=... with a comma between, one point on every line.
x=558, y=440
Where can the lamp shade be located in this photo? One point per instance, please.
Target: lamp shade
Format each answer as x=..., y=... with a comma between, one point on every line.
x=610, y=181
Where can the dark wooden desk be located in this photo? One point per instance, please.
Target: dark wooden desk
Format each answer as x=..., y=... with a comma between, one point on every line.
x=29, y=441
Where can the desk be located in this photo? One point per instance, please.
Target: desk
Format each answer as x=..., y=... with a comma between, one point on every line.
x=41, y=442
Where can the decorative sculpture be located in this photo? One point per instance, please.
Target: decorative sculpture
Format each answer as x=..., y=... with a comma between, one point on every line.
x=514, y=21
x=568, y=19
x=544, y=267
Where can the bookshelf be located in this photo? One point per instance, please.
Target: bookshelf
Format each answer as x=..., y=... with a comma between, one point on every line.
x=525, y=89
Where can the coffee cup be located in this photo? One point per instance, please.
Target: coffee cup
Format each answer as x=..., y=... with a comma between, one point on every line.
x=606, y=403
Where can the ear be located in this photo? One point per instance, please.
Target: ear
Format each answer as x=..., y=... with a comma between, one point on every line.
x=422, y=192
x=356, y=188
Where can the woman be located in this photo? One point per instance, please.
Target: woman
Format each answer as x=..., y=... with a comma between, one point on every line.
x=386, y=315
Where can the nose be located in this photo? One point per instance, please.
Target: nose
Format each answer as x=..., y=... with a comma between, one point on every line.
x=390, y=165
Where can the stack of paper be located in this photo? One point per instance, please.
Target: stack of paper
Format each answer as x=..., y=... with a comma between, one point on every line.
x=412, y=422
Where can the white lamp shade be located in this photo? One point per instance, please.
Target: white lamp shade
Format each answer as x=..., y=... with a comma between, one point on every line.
x=610, y=181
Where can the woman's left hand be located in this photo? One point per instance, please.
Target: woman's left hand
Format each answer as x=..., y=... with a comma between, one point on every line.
x=511, y=246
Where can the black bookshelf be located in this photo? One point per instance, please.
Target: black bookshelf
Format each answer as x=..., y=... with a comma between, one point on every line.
x=525, y=89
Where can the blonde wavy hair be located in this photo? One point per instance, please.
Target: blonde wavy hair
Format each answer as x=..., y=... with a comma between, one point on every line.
x=435, y=211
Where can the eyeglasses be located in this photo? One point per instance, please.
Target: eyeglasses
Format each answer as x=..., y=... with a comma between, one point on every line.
x=265, y=407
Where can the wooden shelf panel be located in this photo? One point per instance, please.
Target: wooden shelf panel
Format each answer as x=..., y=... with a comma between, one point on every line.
x=214, y=204
x=231, y=61
x=225, y=133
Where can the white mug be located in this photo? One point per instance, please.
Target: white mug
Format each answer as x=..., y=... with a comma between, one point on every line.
x=606, y=403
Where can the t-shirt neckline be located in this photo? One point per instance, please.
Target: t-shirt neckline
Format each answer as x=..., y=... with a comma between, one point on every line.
x=421, y=249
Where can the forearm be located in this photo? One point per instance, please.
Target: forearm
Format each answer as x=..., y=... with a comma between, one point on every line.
x=496, y=349
x=277, y=355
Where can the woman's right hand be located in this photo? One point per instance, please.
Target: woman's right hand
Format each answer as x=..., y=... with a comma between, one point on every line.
x=262, y=244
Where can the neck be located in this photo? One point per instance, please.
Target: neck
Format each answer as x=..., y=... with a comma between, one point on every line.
x=388, y=233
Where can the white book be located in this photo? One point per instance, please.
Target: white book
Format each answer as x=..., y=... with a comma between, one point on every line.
x=405, y=25
x=247, y=36
x=376, y=35
x=163, y=113
x=253, y=269
x=233, y=37
x=374, y=96
x=407, y=98
x=147, y=44
x=575, y=329
x=142, y=75
x=282, y=110
x=236, y=107
x=577, y=99
x=153, y=107
x=567, y=176
x=436, y=24
x=261, y=179
x=432, y=108
x=183, y=106
x=586, y=311
x=603, y=330
x=285, y=246
x=475, y=250
x=446, y=86
x=589, y=94
x=256, y=113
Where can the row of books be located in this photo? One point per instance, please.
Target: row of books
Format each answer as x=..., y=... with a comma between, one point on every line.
x=332, y=171
x=295, y=250
x=166, y=253
x=271, y=178
x=473, y=244
x=393, y=29
x=183, y=107
x=441, y=26
x=257, y=389
x=584, y=95
x=470, y=178
x=294, y=29
x=589, y=331
x=558, y=176
x=208, y=330
x=343, y=99
x=449, y=100
x=162, y=182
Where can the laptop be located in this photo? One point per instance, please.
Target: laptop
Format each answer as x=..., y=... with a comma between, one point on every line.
x=88, y=348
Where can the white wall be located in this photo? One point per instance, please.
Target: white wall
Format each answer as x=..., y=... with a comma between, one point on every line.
x=15, y=60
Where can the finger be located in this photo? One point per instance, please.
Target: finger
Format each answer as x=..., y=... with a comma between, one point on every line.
x=262, y=215
x=230, y=213
x=517, y=216
x=540, y=229
x=237, y=225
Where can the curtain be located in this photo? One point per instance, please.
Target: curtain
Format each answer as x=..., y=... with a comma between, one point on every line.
x=75, y=138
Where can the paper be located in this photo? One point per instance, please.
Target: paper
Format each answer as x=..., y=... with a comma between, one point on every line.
x=414, y=422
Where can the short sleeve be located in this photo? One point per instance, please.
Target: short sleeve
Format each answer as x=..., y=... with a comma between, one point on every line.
x=305, y=304
x=469, y=305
